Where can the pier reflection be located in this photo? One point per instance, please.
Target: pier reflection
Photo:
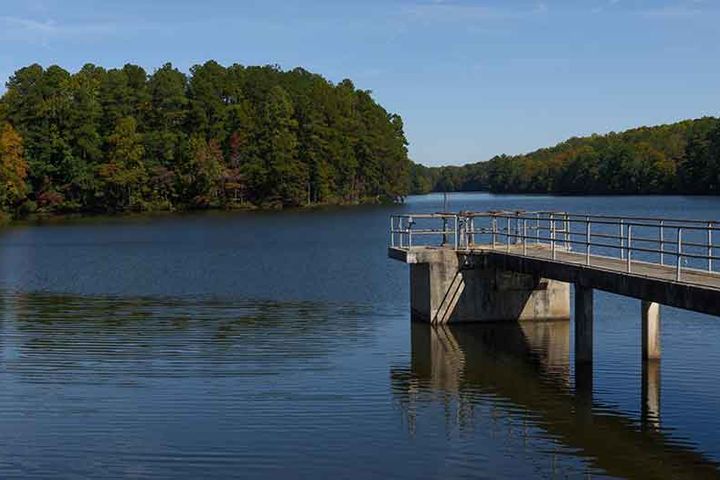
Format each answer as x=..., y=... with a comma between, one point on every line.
x=527, y=367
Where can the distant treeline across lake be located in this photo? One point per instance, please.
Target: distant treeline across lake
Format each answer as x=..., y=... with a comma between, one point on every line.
x=102, y=140
x=680, y=158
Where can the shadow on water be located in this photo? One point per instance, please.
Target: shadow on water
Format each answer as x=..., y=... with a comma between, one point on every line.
x=524, y=368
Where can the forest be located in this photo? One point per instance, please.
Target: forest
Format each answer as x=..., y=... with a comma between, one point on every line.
x=123, y=139
x=680, y=158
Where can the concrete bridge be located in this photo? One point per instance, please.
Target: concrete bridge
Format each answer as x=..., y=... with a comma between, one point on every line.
x=518, y=266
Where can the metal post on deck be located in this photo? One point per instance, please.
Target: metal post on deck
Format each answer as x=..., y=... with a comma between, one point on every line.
x=622, y=238
x=552, y=235
x=567, y=231
x=466, y=231
x=472, y=230
x=445, y=239
x=507, y=235
x=410, y=224
x=629, y=247
x=524, y=238
x=587, y=240
x=679, y=254
x=400, y=231
x=460, y=232
x=662, y=243
x=537, y=228
x=710, y=246
x=493, y=225
x=392, y=231
x=392, y=239
x=456, y=232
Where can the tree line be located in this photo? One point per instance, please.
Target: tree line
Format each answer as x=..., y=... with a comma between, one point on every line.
x=680, y=158
x=110, y=140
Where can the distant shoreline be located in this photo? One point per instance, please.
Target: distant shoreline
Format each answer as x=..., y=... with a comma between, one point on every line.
x=674, y=159
x=59, y=218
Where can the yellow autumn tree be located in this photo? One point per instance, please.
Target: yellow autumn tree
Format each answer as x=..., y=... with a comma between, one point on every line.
x=13, y=167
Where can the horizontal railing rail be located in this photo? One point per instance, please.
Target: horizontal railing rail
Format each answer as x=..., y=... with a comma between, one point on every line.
x=689, y=244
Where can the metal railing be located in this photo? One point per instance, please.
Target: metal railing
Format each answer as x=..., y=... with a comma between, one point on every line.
x=684, y=245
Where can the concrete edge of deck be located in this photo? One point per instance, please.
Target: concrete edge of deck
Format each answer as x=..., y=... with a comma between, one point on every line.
x=694, y=297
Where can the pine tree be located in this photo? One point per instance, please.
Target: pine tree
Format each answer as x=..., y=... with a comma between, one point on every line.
x=124, y=174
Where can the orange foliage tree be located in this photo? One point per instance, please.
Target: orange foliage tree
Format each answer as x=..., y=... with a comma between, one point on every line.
x=13, y=167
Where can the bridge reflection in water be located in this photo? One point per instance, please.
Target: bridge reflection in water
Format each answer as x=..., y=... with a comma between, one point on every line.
x=526, y=365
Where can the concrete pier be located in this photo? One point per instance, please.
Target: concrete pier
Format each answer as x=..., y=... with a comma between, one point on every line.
x=650, y=330
x=583, y=324
x=449, y=287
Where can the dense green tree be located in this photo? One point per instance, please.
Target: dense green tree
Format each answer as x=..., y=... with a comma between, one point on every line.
x=203, y=174
x=123, y=175
x=286, y=177
x=165, y=119
x=120, y=139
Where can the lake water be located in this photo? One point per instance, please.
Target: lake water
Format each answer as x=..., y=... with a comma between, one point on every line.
x=279, y=345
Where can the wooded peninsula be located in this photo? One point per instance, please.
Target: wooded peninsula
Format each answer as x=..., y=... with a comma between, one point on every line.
x=122, y=140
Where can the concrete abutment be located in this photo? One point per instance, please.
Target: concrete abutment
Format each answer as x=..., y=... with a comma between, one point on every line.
x=449, y=287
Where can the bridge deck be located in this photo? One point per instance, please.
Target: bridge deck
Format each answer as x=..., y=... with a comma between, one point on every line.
x=637, y=268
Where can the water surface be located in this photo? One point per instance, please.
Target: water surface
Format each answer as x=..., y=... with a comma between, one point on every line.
x=278, y=345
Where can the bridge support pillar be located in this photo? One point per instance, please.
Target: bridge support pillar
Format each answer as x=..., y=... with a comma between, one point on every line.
x=583, y=324
x=650, y=330
x=448, y=287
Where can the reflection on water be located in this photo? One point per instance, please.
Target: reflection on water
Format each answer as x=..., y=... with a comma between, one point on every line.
x=524, y=370
x=102, y=387
x=210, y=337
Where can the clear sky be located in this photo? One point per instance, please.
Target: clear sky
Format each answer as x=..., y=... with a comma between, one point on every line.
x=471, y=78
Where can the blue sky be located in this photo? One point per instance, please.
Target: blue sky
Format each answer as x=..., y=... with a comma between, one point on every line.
x=471, y=78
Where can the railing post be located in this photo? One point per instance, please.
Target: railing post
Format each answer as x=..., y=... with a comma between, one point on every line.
x=679, y=254
x=537, y=228
x=460, y=231
x=472, y=230
x=629, y=247
x=587, y=240
x=552, y=235
x=524, y=238
x=507, y=235
x=710, y=247
x=392, y=231
x=445, y=237
x=622, y=238
x=410, y=224
x=400, y=231
x=567, y=231
x=466, y=231
x=662, y=243
x=494, y=225
x=456, y=232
